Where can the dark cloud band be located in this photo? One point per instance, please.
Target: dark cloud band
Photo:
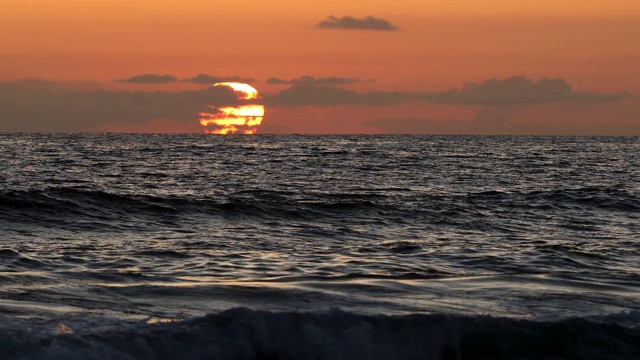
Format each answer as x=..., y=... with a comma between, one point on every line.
x=40, y=105
x=516, y=90
x=50, y=109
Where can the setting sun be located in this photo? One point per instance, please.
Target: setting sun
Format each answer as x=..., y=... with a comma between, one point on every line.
x=243, y=119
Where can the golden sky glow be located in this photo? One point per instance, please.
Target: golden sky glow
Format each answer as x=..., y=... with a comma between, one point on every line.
x=438, y=45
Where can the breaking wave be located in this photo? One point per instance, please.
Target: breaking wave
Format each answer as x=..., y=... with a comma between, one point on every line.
x=248, y=334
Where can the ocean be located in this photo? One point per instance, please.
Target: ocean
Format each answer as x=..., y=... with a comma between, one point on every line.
x=319, y=247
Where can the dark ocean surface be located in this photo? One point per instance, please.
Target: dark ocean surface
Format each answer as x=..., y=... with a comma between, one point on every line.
x=326, y=247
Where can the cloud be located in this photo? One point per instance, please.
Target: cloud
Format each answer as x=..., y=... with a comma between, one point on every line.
x=351, y=23
x=203, y=79
x=511, y=105
x=313, y=94
x=333, y=80
x=150, y=79
x=209, y=79
x=514, y=105
x=50, y=109
x=553, y=118
x=519, y=90
x=590, y=97
x=515, y=90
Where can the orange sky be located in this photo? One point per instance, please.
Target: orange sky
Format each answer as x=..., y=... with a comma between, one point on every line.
x=439, y=45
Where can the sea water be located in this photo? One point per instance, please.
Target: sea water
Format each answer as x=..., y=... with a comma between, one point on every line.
x=329, y=247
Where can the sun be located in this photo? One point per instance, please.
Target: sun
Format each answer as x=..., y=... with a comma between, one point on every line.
x=243, y=118
x=244, y=91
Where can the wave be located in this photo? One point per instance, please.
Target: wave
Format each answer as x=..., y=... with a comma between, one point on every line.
x=53, y=204
x=250, y=334
x=65, y=205
x=604, y=198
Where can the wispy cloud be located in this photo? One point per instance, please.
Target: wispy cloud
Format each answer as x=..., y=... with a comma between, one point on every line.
x=333, y=80
x=351, y=23
x=150, y=79
x=211, y=79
